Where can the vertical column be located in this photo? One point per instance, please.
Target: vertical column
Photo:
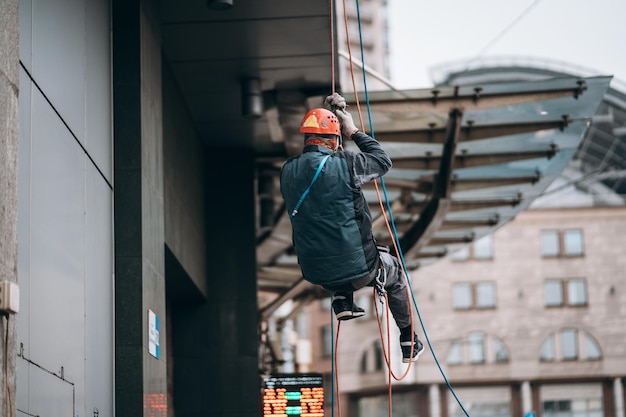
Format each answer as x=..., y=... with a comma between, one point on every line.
x=618, y=392
x=527, y=402
x=443, y=401
x=516, y=401
x=434, y=400
x=232, y=279
x=608, y=398
x=535, y=396
x=140, y=357
x=9, y=87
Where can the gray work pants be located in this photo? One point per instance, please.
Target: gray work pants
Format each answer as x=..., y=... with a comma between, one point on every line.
x=394, y=285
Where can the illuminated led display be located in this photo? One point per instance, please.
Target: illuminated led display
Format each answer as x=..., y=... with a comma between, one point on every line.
x=293, y=395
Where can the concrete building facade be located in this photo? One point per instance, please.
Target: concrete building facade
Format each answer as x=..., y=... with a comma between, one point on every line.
x=515, y=327
x=368, y=24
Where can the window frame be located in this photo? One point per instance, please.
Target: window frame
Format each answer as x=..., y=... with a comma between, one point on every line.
x=470, y=253
x=326, y=349
x=565, y=288
x=474, y=298
x=570, y=344
x=562, y=251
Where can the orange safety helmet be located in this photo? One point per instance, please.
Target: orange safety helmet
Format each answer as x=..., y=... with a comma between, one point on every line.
x=320, y=121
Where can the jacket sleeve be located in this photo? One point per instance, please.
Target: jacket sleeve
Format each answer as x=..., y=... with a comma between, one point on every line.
x=372, y=162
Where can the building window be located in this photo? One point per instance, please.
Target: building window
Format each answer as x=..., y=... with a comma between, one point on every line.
x=480, y=295
x=363, y=366
x=483, y=401
x=550, y=246
x=577, y=292
x=463, y=254
x=573, y=242
x=558, y=243
x=592, y=349
x=565, y=292
x=374, y=354
x=404, y=404
x=462, y=296
x=573, y=408
x=477, y=348
x=569, y=345
x=485, y=295
x=572, y=400
x=327, y=340
x=481, y=249
x=547, y=350
x=455, y=354
x=378, y=356
x=553, y=292
x=499, y=351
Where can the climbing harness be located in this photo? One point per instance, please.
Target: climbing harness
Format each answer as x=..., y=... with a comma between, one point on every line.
x=381, y=280
x=306, y=192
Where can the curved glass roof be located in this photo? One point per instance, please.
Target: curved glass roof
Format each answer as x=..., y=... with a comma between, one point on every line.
x=465, y=161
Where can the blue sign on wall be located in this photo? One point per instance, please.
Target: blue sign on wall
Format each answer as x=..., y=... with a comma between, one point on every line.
x=153, y=334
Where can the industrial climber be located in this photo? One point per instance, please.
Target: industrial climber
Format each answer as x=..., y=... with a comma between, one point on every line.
x=331, y=221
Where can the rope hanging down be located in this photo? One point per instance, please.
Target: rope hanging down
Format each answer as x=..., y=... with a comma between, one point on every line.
x=389, y=221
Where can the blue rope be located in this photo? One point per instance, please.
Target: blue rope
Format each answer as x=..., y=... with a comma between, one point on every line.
x=393, y=225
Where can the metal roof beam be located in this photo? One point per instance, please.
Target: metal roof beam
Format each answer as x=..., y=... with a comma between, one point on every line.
x=424, y=185
x=466, y=160
x=434, y=134
x=469, y=223
x=442, y=100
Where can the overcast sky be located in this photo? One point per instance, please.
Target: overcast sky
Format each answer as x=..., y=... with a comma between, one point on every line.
x=426, y=33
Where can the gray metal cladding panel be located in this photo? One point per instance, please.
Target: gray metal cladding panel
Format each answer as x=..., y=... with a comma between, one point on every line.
x=65, y=233
x=99, y=138
x=49, y=395
x=98, y=294
x=57, y=247
x=58, y=58
x=26, y=36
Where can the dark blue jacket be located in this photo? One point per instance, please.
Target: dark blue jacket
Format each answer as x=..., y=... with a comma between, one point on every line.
x=332, y=231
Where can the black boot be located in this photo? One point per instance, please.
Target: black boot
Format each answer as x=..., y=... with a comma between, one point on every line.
x=344, y=307
x=405, y=345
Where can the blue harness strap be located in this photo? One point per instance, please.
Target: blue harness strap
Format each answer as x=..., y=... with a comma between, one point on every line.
x=306, y=192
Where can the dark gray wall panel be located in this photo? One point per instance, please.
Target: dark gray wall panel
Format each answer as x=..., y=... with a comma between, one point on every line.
x=184, y=186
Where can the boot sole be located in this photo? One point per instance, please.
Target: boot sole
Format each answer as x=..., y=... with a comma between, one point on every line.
x=349, y=315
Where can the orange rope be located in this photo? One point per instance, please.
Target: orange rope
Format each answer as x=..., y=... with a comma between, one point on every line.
x=386, y=350
x=336, y=370
x=356, y=96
